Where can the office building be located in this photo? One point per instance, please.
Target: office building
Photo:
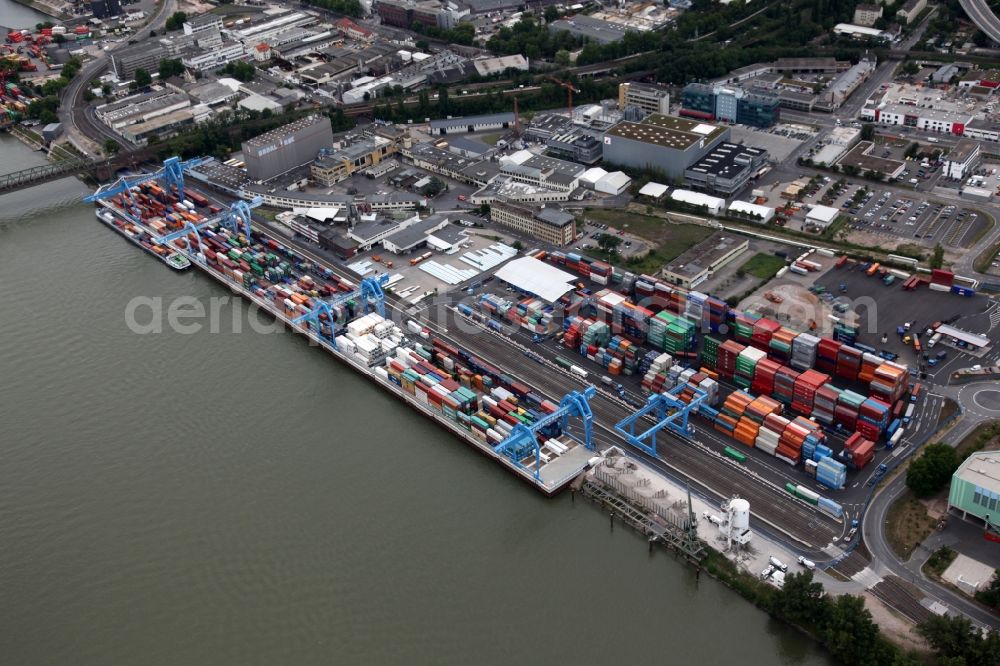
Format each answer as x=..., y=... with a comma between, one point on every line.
x=576, y=146
x=666, y=144
x=730, y=104
x=287, y=147
x=407, y=13
x=866, y=15
x=911, y=10
x=975, y=487
x=202, y=24
x=336, y=165
x=651, y=99
x=125, y=61
x=202, y=61
x=962, y=160
x=548, y=223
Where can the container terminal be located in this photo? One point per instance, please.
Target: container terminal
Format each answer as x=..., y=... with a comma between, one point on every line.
x=755, y=387
x=489, y=409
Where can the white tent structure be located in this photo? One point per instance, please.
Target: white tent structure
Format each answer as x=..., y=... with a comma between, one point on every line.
x=537, y=277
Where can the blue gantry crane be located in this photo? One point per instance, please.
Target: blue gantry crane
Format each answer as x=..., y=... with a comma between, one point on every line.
x=523, y=439
x=369, y=293
x=670, y=412
x=170, y=175
x=236, y=219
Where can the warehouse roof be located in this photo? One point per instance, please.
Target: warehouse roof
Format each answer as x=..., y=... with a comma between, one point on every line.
x=824, y=214
x=704, y=255
x=667, y=131
x=697, y=199
x=982, y=469
x=751, y=209
x=728, y=159
x=488, y=119
x=537, y=277
x=655, y=190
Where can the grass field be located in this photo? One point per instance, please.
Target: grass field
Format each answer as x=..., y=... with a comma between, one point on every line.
x=763, y=266
x=668, y=239
x=908, y=523
x=490, y=139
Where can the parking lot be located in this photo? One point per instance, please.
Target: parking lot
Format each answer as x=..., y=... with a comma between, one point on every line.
x=882, y=212
x=589, y=234
x=880, y=309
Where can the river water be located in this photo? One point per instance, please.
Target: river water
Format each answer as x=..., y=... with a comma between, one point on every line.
x=14, y=15
x=240, y=498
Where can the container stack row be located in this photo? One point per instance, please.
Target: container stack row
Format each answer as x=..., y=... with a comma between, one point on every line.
x=580, y=331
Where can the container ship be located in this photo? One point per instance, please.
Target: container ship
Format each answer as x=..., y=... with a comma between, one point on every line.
x=472, y=399
x=141, y=237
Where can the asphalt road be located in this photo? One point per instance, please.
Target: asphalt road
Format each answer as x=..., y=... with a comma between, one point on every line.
x=980, y=14
x=885, y=561
x=76, y=115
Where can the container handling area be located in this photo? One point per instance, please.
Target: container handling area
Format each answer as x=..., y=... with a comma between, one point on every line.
x=576, y=357
x=544, y=442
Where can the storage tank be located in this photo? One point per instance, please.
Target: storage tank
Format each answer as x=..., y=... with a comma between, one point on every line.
x=739, y=509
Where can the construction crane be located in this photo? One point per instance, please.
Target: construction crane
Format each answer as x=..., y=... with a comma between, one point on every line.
x=236, y=219
x=523, y=439
x=170, y=175
x=570, y=89
x=669, y=411
x=369, y=293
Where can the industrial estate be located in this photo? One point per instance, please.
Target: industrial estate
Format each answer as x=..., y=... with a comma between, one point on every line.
x=753, y=315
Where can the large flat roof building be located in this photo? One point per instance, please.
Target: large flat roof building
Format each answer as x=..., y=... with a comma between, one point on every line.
x=726, y=169
x=589, y=28
x=548, y=223
x=287, y=147
x=665, y=143
x=699, y=263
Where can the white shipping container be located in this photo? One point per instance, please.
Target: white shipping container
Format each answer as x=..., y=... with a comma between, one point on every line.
x=939, y=287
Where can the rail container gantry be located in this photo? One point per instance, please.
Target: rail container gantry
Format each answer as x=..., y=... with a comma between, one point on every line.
x=523, y=438
x=170, y=175
x=670, y=412
x=236, y=219
x=369, y=292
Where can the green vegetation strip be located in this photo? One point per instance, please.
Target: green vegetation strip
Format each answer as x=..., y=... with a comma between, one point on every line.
x=763, y=266
x=669, y=240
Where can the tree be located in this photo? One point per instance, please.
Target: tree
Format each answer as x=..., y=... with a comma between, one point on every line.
x=909, y=68
x=88, y=95
x=106, y=89
x=551, y=14
x=937, y=260
x=929, y=472
x=867, y=132
x=111, y=146
x=175, y=21
x=241, y=71
x=801, y=600
x=142, y=78
x=851, y=635
x=955, y=638
x=562, y=56
x=170, y=68
x=912, y=150
x=58, y=39
x=991, y=595
x=609, y=243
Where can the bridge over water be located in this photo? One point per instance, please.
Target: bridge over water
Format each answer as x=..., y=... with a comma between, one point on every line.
x=102, y=169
